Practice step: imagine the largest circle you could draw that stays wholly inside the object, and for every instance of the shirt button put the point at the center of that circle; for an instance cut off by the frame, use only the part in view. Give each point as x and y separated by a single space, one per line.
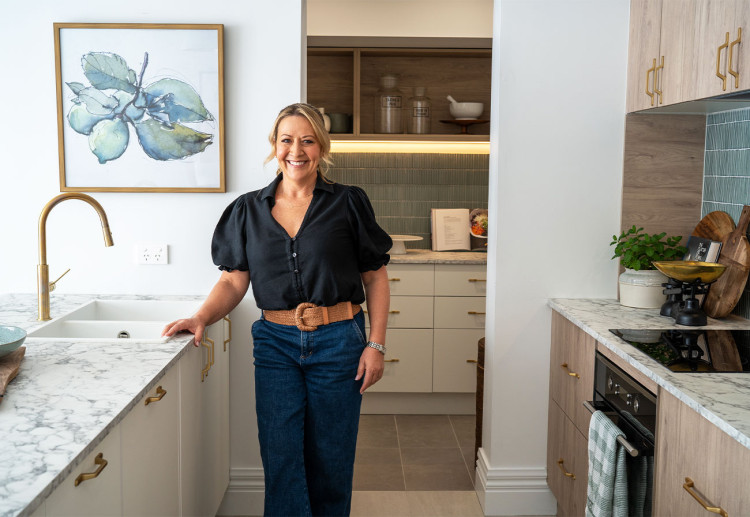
296 270
294 254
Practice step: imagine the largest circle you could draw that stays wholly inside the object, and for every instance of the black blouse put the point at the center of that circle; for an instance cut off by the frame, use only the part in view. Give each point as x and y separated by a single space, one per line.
338 240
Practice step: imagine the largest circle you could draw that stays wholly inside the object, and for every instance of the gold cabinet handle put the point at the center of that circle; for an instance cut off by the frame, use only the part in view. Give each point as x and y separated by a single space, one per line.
389 312
475 313
572 374
718 64
689 486
394 279
656 80
392 360
477 279
160 392
210 362
227 340
567 474
735 73
99 460
474 361
648 72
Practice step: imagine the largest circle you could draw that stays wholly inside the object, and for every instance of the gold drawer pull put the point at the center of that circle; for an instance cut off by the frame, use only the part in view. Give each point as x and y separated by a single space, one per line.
735 73
389 312
209 364
689 486
648 72
229 339
718 64
477 279
474 361
656 80
475 313
567 474
392 360
160 392
572 374
99 460
398 279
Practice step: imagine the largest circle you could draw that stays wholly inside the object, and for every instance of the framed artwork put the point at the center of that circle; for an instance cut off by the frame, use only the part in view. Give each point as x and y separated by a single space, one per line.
140 107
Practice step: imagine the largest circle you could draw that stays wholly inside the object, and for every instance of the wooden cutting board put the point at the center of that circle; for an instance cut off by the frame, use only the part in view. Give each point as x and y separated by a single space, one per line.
723 349
715 226
9 366
724 294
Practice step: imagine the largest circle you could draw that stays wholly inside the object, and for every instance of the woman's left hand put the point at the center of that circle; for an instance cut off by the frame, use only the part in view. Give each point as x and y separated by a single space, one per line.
371 365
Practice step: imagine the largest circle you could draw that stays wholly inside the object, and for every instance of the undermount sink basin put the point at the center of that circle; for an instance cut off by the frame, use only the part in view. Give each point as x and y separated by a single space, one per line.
110 320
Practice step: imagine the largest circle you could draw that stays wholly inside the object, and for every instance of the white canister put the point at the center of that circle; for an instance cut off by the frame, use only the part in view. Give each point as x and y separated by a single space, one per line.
642 289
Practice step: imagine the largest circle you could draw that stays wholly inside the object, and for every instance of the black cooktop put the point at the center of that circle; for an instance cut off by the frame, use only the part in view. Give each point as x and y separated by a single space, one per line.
694 350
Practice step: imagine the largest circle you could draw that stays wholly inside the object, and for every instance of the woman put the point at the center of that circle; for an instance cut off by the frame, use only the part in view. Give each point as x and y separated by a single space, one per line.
307 246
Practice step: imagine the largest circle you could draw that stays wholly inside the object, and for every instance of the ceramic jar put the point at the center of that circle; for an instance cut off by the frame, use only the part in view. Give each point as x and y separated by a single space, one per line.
642 289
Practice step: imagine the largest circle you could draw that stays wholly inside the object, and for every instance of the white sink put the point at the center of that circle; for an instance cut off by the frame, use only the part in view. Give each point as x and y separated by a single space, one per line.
114 320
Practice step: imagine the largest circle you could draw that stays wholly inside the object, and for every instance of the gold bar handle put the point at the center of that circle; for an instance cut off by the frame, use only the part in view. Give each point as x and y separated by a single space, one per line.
689 488
477 279
160 392
394 279
389 312
473 361
475 313
229 339
210 361
99 460
656 80
567 474
648 72
735 73
572 374
392 360
718 64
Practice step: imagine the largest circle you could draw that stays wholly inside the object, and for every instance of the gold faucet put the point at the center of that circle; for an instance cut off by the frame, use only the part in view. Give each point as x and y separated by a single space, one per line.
44 286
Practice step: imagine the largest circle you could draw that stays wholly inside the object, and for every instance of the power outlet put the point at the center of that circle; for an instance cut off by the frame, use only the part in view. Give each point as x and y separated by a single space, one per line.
152 254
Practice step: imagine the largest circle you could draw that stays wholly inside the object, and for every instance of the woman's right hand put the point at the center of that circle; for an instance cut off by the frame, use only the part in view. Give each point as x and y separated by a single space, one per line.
192 325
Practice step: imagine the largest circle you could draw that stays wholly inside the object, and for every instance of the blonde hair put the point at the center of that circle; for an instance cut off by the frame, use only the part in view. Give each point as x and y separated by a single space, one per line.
315 118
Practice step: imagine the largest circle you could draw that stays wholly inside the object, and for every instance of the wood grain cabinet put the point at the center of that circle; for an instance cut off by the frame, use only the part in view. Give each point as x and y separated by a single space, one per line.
690 450
436 320
572 355
347 79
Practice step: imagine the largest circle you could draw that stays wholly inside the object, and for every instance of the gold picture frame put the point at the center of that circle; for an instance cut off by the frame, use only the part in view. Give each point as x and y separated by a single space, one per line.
140 107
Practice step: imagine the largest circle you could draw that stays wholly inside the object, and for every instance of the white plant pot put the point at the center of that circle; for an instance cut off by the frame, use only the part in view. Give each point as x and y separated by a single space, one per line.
642 289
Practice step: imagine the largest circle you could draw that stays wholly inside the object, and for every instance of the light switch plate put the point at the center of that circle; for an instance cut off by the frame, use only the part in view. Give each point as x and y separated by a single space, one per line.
152 254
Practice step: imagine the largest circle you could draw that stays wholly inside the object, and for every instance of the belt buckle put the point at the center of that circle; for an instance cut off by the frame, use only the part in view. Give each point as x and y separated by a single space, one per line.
298 316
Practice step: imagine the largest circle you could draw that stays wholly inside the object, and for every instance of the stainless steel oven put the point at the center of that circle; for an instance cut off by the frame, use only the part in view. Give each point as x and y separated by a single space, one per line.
633 409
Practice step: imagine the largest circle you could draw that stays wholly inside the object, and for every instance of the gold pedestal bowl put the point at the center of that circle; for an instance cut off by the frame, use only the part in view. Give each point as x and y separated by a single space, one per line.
691 270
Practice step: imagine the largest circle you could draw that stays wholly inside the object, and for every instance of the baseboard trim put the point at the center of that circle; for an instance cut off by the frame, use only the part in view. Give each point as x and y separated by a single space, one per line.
513 491
244 496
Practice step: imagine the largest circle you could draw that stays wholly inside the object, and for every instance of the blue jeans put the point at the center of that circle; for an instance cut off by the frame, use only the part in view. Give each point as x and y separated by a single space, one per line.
308 403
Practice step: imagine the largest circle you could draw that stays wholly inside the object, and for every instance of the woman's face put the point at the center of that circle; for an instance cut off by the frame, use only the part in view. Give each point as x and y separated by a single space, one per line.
297 149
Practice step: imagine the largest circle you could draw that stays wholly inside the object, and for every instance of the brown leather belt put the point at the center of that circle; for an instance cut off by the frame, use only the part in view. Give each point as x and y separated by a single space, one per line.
308 316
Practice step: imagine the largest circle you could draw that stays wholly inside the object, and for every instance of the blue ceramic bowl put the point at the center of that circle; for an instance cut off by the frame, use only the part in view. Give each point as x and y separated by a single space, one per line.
10 339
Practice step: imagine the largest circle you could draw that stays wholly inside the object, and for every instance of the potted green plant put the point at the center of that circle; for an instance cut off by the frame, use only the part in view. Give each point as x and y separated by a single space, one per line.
641 283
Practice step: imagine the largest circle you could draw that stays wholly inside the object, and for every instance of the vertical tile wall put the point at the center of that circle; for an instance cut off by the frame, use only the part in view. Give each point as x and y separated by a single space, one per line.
726 172
404 187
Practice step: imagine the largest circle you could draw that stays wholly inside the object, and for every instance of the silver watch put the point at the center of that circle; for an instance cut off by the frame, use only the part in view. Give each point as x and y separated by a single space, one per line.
377 346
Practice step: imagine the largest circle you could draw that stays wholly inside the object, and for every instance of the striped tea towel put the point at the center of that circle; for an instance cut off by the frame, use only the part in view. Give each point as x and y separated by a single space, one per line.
607 494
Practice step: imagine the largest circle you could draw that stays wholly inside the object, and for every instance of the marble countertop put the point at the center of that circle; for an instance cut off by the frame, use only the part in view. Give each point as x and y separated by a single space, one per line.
440 257
67 397
722 398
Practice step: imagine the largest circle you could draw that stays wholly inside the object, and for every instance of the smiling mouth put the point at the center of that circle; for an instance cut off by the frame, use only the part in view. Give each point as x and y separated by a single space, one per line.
296 164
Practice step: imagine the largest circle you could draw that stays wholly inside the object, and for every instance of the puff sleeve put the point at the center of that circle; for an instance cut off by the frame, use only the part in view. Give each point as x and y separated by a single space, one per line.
372 241
228 246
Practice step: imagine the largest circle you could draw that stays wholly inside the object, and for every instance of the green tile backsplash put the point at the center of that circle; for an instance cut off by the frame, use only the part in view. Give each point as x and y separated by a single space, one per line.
726 172
403 187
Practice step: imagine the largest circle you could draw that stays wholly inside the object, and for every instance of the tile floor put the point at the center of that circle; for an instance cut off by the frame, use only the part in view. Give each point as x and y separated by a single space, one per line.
415 465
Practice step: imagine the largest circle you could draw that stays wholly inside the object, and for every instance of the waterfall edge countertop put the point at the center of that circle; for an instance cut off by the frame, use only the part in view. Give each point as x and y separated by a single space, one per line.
722 398
67 397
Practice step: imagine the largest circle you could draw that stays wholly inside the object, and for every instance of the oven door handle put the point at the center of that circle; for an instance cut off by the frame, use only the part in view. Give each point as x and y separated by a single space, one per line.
633 451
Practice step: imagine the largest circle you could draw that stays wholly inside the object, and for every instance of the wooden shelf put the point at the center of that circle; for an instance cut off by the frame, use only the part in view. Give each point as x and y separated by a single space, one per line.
346 80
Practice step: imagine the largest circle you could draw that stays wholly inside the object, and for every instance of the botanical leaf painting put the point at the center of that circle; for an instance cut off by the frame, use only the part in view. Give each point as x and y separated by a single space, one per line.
117 99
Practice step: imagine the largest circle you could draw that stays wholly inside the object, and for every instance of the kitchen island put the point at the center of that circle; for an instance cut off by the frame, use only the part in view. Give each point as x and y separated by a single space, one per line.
67 397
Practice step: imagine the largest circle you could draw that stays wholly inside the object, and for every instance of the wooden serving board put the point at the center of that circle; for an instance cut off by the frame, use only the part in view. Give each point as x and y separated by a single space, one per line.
715 226
9 366
724 294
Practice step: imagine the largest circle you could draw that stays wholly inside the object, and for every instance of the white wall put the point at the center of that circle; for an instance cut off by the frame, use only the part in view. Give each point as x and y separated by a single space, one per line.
557 130
400 18
263 50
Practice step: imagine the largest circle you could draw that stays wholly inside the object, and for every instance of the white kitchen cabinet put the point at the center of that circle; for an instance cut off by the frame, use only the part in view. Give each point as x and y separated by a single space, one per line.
204 439
150 445
99 496
436 319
